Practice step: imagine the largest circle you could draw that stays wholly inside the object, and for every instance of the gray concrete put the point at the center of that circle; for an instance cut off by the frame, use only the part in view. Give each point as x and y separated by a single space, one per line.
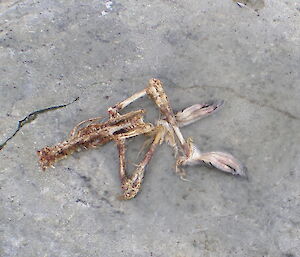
54 51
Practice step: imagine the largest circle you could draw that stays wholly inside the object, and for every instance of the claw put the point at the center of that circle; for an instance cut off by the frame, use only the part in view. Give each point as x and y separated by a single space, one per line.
197 112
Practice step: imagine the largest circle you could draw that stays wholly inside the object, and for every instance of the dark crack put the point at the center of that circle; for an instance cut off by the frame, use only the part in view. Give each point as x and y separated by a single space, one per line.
31 117
286 113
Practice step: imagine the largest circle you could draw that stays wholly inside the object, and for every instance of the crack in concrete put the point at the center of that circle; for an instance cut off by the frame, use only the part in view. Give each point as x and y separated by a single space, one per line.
31 117
286 113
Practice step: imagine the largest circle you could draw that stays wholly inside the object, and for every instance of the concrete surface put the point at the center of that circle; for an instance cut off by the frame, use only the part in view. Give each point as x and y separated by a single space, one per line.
103 51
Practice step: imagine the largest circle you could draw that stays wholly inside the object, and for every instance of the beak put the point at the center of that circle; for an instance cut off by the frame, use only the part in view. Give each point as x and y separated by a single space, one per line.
222 161
196 112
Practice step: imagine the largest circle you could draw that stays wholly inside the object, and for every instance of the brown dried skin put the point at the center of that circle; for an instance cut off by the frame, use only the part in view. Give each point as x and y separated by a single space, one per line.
93 135
49 155
131 186
157 94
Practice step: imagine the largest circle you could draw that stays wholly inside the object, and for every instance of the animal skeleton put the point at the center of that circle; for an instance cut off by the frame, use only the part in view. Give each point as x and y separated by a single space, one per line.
119 127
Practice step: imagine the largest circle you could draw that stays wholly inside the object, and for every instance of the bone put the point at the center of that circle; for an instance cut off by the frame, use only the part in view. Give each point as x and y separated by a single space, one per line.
119 127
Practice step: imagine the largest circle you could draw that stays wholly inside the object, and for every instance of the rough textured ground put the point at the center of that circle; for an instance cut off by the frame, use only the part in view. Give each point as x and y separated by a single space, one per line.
103 51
